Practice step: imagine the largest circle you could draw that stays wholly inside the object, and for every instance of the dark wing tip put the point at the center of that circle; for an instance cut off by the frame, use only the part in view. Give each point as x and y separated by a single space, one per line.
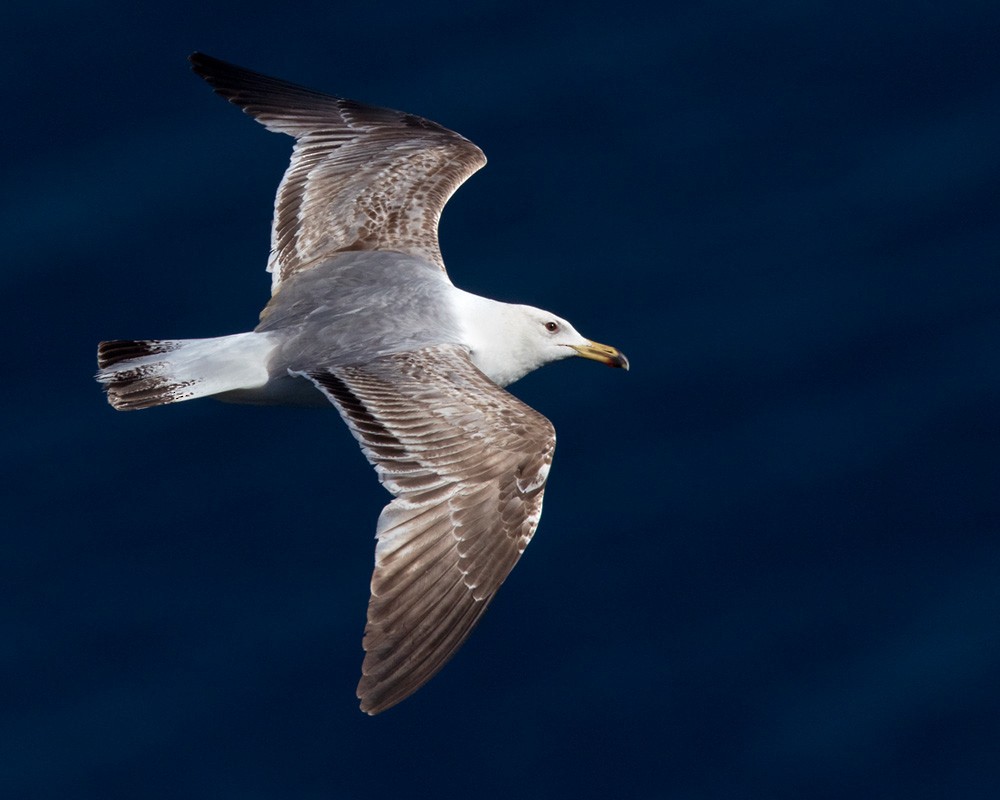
212 69
199 60
225 78
265 98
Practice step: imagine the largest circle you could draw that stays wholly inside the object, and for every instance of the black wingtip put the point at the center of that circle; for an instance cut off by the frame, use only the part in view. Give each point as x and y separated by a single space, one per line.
200 60
230 81
197 59
214 69
207 66
244 87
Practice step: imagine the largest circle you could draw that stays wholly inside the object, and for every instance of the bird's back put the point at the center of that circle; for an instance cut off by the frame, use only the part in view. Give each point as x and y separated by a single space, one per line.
357 305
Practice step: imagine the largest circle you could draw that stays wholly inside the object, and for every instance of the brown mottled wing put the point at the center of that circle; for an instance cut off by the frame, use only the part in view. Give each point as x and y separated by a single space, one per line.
360 178
467 463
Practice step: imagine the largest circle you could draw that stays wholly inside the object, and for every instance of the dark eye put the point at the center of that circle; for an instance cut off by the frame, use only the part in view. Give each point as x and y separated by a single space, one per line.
551 327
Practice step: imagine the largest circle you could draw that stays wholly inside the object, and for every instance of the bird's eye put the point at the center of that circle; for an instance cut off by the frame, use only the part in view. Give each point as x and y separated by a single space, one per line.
551 327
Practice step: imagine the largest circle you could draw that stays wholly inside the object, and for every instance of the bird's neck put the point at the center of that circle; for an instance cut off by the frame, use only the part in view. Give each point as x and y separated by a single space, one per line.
493 332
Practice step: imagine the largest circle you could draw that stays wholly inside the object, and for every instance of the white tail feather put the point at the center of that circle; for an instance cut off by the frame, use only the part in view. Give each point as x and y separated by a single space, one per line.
145 373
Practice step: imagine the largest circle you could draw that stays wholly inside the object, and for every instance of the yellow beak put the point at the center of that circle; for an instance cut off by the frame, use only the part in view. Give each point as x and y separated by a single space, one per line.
606 354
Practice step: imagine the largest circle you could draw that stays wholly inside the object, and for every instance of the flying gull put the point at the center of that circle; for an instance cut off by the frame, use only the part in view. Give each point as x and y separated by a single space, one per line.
363 315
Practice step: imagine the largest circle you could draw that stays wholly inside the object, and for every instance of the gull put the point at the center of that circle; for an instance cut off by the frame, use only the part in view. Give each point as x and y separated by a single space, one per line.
363 316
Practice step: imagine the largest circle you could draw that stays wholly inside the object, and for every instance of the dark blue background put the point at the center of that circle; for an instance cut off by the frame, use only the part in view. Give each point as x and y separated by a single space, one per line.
769 564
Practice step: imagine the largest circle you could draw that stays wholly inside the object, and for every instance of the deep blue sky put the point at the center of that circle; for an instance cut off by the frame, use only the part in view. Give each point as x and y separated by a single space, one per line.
769 564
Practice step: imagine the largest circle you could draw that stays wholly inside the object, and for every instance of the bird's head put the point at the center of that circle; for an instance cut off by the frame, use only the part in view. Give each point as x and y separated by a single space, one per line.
548 337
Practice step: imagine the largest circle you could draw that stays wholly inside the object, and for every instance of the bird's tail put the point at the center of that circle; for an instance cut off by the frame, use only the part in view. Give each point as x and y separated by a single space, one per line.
152 372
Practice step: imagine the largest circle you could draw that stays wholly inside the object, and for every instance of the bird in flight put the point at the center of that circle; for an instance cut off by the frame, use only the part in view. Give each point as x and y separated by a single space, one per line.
363 316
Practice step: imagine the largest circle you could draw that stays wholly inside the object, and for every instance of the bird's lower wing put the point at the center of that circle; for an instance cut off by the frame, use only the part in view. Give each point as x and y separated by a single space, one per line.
467 464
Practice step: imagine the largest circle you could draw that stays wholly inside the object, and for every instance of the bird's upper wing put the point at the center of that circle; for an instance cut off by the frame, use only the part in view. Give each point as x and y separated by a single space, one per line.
467 463
360 178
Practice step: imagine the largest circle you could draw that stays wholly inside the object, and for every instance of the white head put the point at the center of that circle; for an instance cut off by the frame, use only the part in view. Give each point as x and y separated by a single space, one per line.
509 341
